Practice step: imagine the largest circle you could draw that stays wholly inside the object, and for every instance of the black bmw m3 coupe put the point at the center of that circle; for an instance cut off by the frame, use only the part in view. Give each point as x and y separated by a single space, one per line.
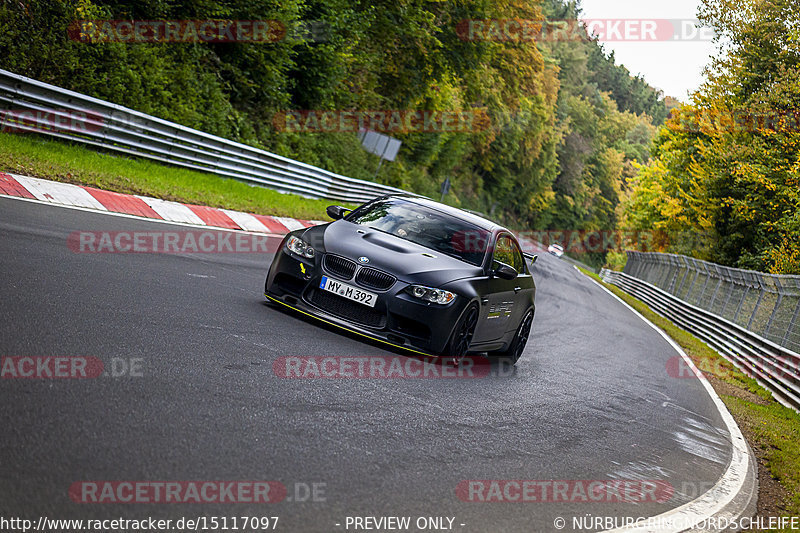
413 273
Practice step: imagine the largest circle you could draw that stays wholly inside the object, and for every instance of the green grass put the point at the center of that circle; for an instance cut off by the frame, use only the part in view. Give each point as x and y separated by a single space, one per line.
594 276
31 155
770 427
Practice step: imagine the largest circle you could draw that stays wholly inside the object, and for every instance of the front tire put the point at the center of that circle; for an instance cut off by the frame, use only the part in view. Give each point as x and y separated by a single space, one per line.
517 346
461 337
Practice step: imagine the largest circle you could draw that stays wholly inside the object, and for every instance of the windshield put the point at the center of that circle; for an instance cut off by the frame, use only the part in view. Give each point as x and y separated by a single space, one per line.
428 227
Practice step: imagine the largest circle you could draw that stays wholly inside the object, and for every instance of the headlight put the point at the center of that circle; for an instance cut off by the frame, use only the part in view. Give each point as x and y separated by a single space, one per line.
300 247
429 294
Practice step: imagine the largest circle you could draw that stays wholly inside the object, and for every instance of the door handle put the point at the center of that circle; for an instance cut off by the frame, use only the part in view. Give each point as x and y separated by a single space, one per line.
517 289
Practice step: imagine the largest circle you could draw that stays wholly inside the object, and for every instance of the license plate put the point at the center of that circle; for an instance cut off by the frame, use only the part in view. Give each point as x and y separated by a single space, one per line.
348 291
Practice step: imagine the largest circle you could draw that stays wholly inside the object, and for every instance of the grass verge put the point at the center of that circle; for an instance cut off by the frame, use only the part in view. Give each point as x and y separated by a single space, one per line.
772 430
31 155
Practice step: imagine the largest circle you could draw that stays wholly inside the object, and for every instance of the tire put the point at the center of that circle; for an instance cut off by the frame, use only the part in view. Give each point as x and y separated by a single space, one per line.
517 346
461 337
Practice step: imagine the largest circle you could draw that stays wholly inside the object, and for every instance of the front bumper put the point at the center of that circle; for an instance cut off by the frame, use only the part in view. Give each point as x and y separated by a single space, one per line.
397 319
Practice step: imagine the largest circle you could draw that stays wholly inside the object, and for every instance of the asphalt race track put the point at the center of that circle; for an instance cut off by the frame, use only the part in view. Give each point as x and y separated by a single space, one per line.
591 399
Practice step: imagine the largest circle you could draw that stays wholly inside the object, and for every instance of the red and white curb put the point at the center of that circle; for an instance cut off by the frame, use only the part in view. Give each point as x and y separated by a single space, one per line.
90 198
78 196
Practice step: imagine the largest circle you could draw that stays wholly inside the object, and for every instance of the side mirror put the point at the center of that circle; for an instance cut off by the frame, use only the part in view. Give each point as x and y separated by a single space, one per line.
336 211
504 271
530 257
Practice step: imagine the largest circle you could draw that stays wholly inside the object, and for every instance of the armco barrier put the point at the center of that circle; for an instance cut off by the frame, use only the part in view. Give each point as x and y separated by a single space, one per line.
28 105
775 367
766 304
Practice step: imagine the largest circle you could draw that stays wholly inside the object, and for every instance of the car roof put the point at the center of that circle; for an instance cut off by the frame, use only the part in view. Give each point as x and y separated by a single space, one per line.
454 211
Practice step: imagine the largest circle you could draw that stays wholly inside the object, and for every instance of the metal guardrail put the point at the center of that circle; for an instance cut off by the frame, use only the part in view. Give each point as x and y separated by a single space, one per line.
28 105
766 304
773 366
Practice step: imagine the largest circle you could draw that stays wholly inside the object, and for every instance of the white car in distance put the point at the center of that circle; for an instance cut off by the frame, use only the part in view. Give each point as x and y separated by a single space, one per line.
555 249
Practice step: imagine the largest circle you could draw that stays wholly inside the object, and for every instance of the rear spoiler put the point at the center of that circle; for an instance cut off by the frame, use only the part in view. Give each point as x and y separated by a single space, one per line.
530 257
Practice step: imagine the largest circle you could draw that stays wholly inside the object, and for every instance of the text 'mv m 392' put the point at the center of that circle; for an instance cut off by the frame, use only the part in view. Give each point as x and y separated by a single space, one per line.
413 273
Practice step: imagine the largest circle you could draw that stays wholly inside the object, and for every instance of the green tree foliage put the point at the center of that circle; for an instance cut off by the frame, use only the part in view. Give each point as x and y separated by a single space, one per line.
727 166
605 132
566 124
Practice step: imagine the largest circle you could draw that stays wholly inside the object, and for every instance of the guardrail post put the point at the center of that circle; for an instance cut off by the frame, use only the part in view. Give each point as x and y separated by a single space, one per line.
741 302
772 316
791 324
714 296
705 284
669 272
674 267
8 106
761 292
685 275
661 273
731 285
779 289
694 279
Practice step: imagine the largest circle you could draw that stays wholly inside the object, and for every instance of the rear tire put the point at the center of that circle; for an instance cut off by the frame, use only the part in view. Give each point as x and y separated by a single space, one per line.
461 337
517 346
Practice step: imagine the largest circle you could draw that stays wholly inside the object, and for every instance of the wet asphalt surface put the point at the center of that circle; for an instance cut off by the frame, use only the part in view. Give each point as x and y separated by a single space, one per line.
591 398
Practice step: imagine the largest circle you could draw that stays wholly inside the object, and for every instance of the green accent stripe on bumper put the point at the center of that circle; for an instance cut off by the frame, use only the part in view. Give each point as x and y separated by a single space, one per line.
350 330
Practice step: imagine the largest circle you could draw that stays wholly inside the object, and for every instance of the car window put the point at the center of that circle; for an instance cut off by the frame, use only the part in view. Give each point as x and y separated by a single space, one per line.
506 251
428 227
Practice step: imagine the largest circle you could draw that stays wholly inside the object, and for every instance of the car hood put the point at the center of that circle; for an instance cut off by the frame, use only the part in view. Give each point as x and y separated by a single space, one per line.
404 259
